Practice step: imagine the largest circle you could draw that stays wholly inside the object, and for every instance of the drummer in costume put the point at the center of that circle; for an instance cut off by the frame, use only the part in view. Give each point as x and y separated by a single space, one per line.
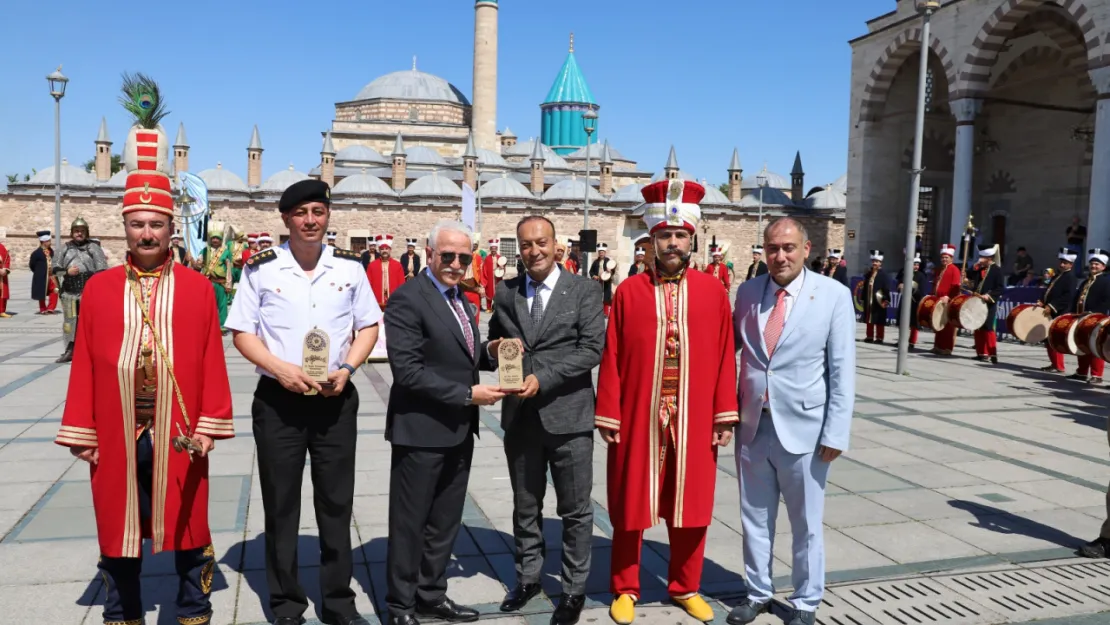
216 264
717 268
5 290
1093 296
876 299
758 267
835 269
298 299
79 260
368 254
265 241
916 294
665 405
947 287
410 260
44 289
385 273
491 266
604 275
988 283
639 266
148 395
1057 300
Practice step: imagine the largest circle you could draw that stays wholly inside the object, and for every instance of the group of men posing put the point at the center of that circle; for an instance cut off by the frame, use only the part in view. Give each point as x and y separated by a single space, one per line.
667 399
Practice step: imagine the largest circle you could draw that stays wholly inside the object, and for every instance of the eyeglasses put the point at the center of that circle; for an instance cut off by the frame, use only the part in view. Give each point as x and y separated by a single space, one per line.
448 258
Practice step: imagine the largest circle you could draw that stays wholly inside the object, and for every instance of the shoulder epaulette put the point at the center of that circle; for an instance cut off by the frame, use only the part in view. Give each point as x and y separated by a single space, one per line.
348 254
261 258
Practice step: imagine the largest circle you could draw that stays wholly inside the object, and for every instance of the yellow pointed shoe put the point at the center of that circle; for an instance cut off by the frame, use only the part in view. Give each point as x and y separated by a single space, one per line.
623 610
696 607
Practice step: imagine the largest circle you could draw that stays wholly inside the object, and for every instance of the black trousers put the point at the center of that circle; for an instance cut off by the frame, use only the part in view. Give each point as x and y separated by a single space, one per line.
286 426
123 593
427 491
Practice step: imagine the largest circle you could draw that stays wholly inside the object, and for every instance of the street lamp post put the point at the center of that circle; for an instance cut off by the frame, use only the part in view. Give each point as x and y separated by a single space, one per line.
926 8
761 180
57 82
589 124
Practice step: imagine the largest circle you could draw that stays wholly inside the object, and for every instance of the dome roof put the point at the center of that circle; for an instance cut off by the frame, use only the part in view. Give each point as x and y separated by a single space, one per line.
841 184
774 181
572 190
421 155
629 193
506 188
662 175
412 85
363 184
828 198
490 158
282 180
71 176
432 185
771 197
118 179
220 179
360 154
714 197
595 153
551 160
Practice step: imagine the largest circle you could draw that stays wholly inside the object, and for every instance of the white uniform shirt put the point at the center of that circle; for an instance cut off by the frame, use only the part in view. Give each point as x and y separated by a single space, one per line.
278 302
770 296
544 291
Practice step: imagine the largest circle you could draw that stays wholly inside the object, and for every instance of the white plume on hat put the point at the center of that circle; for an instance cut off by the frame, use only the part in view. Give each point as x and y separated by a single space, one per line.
834 253
757 249
1098 254
1067 254
876 255
947 249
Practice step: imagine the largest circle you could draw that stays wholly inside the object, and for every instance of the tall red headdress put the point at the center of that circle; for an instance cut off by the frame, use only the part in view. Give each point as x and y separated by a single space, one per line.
672 204
145 153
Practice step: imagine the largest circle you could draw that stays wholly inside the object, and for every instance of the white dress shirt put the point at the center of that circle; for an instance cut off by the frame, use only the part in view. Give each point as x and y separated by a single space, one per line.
443 288
277 301
770 297
546 288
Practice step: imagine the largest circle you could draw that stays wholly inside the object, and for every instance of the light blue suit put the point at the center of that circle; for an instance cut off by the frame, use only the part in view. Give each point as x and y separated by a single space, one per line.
810 380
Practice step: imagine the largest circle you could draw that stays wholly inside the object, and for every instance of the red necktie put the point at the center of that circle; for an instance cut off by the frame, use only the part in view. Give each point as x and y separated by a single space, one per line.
773 331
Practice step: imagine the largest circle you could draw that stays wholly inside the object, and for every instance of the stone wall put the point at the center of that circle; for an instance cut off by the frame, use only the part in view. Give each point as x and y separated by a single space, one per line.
402 110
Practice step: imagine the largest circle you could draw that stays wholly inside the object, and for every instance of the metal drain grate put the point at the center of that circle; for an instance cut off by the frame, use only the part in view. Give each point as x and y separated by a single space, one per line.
836 611
1022 594
915 602
1089 578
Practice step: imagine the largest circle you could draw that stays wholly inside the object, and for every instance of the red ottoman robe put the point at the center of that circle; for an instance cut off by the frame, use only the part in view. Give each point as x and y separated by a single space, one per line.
100 407
378 277
628 398
719 271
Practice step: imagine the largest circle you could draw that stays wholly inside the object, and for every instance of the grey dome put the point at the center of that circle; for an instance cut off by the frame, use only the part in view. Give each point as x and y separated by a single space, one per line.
629 193
827 198
220 179
421 155
118 179
71 176
662 175
714 197
412 85
771 197
506 188
432 185
489 158
363 184
572 190
551 160
281 181
841 184
774 181
595 153
360 154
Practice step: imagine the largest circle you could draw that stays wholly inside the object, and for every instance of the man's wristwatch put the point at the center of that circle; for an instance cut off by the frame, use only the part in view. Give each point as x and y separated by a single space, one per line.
470 396
351 370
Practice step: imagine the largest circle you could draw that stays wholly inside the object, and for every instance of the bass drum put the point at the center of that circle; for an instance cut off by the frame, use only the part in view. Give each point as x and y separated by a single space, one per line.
967 312
1086 331
1029 323
1061 334
1103 341
932 313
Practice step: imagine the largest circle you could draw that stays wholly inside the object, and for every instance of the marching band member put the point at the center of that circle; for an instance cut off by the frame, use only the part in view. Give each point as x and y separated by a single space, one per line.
876 299
987 282
216 264
385 273
917 292
836 269
717 268
368 254
571 263
639 266
410 261
947 286
5 290
758 267
1093 296
265 241
596 270
1057 301
332 236
43 287
80 259
180 254
252 246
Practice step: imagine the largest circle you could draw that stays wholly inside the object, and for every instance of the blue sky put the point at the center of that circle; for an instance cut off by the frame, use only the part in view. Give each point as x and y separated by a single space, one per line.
766 76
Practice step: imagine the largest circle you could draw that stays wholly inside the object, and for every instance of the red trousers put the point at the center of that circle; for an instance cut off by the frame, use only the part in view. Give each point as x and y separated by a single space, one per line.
3 305
476 299
683 572
876 331
1055 358
913 335
946 338
52 302
986 343
1091 364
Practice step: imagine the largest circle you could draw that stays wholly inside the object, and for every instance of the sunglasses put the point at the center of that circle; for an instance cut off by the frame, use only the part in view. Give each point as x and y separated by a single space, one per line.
448 258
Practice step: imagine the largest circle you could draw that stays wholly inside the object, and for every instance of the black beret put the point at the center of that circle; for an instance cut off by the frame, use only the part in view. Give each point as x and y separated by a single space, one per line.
305 191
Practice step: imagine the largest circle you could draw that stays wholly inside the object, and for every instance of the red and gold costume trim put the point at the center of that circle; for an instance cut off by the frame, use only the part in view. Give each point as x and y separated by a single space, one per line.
74 436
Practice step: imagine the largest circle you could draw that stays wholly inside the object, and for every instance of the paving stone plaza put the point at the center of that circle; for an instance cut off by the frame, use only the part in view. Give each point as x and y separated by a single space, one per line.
964 495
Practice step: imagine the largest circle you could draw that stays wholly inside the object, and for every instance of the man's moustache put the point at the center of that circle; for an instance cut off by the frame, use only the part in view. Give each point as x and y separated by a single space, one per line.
147 243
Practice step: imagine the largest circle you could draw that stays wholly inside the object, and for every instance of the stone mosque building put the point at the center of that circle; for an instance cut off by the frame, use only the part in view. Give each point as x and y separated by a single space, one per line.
1017 126
397 153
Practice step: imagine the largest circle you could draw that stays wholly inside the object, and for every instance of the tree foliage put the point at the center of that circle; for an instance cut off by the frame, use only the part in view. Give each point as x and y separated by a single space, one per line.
117 164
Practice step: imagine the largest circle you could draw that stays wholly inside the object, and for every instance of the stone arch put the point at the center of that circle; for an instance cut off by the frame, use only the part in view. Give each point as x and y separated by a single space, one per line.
936 152
1043 55
975 72
886 68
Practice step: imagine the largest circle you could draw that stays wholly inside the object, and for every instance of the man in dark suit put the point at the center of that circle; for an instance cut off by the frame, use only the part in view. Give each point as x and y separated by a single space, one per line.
431 422
557 316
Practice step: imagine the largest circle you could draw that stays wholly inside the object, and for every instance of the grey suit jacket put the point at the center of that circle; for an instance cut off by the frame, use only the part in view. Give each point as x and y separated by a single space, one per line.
561 352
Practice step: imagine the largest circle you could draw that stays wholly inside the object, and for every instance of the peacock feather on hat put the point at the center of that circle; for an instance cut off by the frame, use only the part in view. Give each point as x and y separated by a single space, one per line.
147 146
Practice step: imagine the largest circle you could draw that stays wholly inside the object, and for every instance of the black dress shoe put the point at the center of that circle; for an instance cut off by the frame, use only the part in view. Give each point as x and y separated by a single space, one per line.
519 597
568 610
289 620
403 619
1097 548
354 619
67 356
994 360
448 610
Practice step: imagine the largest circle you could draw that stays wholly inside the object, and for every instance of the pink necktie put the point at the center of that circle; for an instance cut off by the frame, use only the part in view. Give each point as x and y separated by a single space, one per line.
773 331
